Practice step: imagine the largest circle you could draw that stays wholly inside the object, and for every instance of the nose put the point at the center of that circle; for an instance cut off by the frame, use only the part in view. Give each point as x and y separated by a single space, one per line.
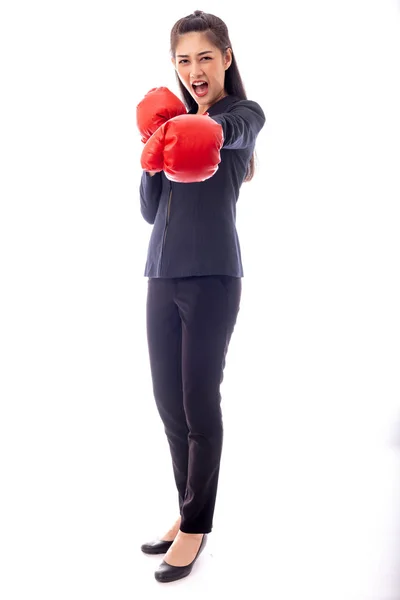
196 73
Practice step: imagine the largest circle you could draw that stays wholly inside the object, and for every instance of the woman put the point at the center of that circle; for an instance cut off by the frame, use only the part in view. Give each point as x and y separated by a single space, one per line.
194 268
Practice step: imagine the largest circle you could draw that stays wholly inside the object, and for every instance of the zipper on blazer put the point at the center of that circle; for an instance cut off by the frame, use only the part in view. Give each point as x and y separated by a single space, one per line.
166 226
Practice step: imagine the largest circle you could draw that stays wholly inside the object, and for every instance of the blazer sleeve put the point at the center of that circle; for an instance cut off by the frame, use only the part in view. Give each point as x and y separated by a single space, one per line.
241 124
150 194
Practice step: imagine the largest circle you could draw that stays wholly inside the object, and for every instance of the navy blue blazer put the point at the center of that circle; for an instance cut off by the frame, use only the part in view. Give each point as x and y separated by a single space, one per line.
194 229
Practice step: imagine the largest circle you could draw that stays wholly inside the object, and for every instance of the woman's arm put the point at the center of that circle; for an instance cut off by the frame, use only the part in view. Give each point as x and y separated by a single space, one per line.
241 124
150 194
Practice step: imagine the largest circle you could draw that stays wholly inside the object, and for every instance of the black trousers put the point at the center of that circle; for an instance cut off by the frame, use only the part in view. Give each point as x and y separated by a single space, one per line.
190 321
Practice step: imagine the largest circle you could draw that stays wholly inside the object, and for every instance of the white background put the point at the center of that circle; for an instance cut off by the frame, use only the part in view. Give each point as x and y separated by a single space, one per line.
308 503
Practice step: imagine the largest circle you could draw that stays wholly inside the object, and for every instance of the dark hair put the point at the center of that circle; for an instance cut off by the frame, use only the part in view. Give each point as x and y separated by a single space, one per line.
217 33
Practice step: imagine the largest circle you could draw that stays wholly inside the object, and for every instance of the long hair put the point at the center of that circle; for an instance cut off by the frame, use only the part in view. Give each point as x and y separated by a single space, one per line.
217 33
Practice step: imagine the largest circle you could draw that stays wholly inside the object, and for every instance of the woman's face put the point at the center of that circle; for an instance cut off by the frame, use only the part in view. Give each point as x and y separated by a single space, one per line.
198 60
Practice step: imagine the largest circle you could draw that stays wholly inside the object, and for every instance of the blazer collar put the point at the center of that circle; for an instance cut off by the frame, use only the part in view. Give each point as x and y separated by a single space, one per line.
219 106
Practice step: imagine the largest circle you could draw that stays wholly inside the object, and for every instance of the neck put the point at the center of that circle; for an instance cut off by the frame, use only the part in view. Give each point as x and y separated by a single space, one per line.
203 109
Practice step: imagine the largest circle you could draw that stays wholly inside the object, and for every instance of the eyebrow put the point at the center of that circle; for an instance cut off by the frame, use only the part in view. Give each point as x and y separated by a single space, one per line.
199 54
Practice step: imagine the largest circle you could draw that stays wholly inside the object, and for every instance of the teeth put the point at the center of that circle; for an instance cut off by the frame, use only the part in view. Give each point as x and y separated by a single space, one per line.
199 83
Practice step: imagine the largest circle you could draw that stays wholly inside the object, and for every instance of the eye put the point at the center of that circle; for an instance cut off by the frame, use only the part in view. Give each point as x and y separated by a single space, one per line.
185 60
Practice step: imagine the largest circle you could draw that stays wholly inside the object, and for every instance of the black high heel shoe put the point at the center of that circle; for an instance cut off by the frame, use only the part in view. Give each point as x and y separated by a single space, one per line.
166 573
156 547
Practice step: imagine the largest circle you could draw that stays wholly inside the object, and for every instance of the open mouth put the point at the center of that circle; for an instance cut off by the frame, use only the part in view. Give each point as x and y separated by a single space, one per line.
200 88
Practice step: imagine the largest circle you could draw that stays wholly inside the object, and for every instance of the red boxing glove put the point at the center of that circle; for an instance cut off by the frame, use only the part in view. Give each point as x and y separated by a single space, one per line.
187 148
158 106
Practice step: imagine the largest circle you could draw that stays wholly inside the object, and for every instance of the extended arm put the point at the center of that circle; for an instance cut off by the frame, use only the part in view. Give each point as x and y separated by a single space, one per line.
241 124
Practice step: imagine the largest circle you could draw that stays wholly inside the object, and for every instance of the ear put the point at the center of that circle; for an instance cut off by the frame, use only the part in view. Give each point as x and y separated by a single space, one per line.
228 58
